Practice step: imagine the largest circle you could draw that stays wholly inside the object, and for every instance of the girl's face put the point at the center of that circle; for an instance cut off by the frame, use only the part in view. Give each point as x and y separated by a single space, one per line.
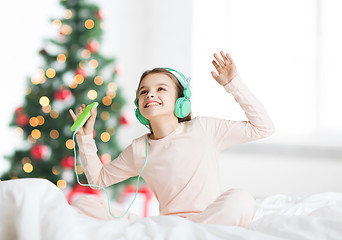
157 96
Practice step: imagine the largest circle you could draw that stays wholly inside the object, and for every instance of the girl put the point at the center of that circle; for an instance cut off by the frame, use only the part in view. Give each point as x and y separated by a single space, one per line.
183 167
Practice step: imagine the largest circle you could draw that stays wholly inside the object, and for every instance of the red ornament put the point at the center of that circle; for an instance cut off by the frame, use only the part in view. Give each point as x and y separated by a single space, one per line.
81 71
22 119
124 120
92 46
99 15
40 152
118 70
78 189
68 162
63 94
19 110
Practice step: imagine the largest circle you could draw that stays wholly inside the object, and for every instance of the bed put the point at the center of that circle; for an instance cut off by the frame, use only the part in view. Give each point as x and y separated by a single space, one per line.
37 209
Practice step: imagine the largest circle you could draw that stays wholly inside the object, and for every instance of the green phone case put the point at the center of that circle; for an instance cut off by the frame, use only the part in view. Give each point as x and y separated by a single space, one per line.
82 119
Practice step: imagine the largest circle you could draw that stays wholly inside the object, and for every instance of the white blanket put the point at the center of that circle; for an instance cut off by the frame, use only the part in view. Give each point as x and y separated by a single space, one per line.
36 209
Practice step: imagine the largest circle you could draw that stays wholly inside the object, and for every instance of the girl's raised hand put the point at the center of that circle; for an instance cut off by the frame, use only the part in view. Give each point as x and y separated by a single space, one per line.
225 67
88 127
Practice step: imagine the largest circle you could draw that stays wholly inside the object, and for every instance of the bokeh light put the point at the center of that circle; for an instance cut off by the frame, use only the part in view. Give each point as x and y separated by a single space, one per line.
92 94
107 100
50 73
44 101
54 114
28 168
34 121
36 133
66 29
69 144
86 53
54 134
105 137
79 79
61 58
93 63
68 14
61 184
89 24
105 115
98 80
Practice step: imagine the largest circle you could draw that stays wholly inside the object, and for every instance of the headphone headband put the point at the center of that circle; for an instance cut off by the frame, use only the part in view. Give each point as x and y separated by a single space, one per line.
182 79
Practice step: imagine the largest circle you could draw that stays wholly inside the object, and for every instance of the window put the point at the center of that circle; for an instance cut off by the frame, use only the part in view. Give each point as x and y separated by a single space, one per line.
287 52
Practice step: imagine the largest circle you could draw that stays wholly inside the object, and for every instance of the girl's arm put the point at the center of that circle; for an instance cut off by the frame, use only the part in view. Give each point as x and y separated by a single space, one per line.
98 174
225 133
116 171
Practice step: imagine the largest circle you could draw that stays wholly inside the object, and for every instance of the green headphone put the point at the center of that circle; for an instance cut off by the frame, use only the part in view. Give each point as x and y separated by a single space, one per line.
182 106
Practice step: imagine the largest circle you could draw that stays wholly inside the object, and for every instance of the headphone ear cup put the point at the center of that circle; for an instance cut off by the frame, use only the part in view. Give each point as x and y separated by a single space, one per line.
141 118
182 107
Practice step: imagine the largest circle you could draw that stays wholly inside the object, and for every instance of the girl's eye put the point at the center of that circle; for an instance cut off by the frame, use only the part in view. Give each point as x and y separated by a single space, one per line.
145 91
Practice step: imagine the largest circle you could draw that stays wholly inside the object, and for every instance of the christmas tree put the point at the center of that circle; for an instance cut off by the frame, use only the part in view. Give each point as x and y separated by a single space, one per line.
74 72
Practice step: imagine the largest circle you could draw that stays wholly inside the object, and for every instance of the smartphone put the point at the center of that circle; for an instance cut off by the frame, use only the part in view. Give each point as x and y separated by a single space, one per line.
82 119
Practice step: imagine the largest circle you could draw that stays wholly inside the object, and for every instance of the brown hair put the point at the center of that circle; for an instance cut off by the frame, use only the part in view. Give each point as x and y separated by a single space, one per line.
179 86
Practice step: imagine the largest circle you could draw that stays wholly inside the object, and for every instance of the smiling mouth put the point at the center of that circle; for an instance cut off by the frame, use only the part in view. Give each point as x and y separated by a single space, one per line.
154 104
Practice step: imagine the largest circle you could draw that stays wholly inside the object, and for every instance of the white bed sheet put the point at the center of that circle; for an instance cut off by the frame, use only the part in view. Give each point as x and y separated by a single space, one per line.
37 209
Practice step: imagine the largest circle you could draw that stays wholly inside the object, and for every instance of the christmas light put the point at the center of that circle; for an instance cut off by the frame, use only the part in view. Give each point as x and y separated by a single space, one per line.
67 14
61 58
46 109
106 100
28 167
112 87
34 122
89 24
19 130
55 170
57 23
31 140
73 85
79 79
105 137
36 133
105 115
39 77
50 73
98 80
41 120
79 169
61 184
44 101
54 134
66 29
110 130
25 160
93 63
54 114
92 94
111 94
69 144
86 53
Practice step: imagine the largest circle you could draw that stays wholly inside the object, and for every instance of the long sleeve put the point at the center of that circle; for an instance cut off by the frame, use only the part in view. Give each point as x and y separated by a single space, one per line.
225 133
116 171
